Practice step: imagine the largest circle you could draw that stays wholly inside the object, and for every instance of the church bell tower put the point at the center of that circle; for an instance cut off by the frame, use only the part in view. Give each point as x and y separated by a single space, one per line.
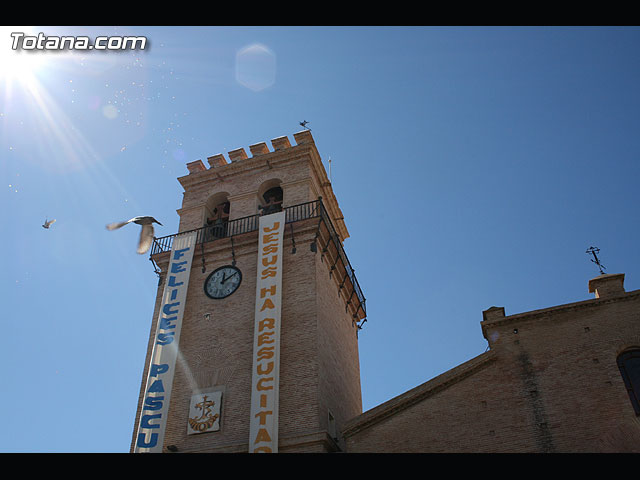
254 339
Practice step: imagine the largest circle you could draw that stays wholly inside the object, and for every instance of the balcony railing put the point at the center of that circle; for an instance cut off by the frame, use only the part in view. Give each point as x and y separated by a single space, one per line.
295 213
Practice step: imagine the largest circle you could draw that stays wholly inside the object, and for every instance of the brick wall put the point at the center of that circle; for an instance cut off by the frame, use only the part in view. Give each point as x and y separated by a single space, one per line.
549 383
319 370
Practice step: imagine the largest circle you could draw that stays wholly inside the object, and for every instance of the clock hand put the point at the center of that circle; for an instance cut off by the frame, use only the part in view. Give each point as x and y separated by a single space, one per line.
225 279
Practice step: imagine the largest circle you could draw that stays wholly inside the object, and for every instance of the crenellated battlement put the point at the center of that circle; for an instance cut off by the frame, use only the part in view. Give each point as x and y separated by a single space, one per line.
243 172
257 149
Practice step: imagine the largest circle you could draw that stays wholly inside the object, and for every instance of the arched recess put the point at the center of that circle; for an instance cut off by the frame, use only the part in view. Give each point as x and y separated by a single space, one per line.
216 215
629 365
270 196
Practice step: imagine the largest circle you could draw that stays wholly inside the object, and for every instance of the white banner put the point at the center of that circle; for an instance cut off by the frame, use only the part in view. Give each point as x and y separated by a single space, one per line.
153 417
263 431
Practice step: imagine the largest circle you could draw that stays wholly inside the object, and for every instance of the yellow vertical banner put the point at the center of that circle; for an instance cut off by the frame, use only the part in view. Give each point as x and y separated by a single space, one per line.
153 417
263 430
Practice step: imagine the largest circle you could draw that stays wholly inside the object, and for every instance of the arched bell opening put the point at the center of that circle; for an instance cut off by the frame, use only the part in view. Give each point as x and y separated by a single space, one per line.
270 197
216 216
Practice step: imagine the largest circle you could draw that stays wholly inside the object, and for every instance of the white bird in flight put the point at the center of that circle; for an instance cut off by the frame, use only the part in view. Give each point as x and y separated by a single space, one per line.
146 234
48 223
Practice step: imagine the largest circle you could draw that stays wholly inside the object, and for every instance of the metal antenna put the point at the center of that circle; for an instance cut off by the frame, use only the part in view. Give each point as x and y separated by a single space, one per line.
595 259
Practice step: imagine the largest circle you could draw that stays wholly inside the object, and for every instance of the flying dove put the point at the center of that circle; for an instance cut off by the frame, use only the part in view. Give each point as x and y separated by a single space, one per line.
146 234
48 223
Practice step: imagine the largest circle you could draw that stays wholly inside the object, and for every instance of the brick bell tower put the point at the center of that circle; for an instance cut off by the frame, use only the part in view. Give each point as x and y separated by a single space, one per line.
254 340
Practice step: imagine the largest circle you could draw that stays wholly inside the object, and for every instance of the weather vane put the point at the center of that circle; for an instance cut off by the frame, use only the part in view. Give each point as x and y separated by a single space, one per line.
595 259
304 124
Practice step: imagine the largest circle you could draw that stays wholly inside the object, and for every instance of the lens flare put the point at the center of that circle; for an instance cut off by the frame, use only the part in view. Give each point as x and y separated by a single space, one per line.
256 67
17 64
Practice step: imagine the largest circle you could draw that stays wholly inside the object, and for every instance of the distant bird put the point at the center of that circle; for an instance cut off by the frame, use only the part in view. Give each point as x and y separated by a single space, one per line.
146 234
304 124
48 223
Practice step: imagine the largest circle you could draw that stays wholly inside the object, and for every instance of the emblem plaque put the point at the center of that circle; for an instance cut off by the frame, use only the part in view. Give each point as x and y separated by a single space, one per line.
204 412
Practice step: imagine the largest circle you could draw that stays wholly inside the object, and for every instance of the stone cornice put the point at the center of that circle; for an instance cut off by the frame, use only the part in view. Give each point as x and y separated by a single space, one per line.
545 312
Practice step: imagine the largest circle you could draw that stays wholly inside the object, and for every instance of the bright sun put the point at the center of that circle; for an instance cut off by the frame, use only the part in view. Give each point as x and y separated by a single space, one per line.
17 65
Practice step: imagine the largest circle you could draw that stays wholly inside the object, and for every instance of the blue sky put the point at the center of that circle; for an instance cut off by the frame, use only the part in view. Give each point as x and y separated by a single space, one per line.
474 166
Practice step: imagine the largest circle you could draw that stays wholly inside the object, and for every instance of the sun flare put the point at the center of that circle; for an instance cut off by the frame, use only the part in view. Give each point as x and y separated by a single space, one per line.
17 64
30 109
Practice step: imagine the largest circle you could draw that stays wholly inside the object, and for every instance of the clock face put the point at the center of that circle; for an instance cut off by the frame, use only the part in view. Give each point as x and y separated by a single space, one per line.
222 282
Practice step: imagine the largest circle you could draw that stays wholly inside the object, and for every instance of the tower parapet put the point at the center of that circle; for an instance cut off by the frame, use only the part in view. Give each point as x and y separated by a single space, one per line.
280 143
307 182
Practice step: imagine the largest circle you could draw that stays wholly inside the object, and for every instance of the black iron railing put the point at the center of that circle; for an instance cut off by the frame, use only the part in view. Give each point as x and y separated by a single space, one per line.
294 213
242 225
